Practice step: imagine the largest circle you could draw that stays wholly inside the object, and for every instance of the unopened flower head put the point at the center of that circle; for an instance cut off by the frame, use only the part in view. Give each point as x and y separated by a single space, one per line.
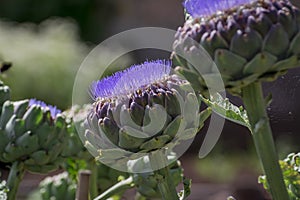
140 110
249 40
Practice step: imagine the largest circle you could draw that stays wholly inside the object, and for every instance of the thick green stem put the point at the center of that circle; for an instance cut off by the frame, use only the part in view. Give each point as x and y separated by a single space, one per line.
93 180
15 176
119 187
165 183
263 139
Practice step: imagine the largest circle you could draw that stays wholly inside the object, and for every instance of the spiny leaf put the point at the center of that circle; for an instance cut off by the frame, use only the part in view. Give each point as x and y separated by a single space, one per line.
226 109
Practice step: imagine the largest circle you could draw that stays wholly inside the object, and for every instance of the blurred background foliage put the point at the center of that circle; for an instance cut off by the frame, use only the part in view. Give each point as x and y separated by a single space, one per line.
45 59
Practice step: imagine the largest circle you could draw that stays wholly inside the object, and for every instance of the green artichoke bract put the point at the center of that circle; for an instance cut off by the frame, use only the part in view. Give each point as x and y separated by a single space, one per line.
140 110
248 40
32 134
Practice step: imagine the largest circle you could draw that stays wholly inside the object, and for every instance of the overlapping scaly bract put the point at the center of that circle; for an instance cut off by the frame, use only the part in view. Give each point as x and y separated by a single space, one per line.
258 40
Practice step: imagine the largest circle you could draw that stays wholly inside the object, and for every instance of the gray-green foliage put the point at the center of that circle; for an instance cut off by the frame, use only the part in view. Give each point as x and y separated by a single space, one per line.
290 167
226 109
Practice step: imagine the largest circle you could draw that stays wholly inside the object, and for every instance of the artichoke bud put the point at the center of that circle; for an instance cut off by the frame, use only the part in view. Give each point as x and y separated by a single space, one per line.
139 111
58 187
33 133
237 35
147 183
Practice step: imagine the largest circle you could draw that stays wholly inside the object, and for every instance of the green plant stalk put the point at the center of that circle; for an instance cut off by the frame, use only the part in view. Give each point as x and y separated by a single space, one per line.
93 180
115 189
15 177
262 135
165 183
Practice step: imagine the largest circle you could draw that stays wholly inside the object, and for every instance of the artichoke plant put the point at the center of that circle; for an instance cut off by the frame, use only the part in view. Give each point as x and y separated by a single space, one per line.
248 40
141 111
32 137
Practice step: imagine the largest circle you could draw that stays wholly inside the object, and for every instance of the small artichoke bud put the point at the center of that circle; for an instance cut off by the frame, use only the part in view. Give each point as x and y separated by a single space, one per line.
248 40
33 133
147 183
140 110
58 187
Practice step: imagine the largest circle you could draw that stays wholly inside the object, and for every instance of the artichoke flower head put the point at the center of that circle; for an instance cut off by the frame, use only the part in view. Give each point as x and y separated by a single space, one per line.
140 110
248 40
33 133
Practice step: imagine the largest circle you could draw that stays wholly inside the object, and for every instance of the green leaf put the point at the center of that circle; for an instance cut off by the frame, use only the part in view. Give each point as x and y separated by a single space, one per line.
224 108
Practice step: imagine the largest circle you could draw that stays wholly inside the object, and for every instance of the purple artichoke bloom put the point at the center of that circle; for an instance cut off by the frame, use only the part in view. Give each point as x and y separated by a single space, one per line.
204 8
127 81
53 109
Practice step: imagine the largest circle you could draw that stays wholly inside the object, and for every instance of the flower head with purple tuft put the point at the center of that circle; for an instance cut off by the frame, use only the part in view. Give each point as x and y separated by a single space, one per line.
139 110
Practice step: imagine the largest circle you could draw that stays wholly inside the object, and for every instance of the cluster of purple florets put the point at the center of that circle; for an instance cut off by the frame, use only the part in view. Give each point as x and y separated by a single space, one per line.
131 79
206 8
53 109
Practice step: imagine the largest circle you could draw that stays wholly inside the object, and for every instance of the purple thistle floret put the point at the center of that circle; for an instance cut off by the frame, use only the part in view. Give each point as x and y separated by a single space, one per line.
205 8
135 77
53 109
